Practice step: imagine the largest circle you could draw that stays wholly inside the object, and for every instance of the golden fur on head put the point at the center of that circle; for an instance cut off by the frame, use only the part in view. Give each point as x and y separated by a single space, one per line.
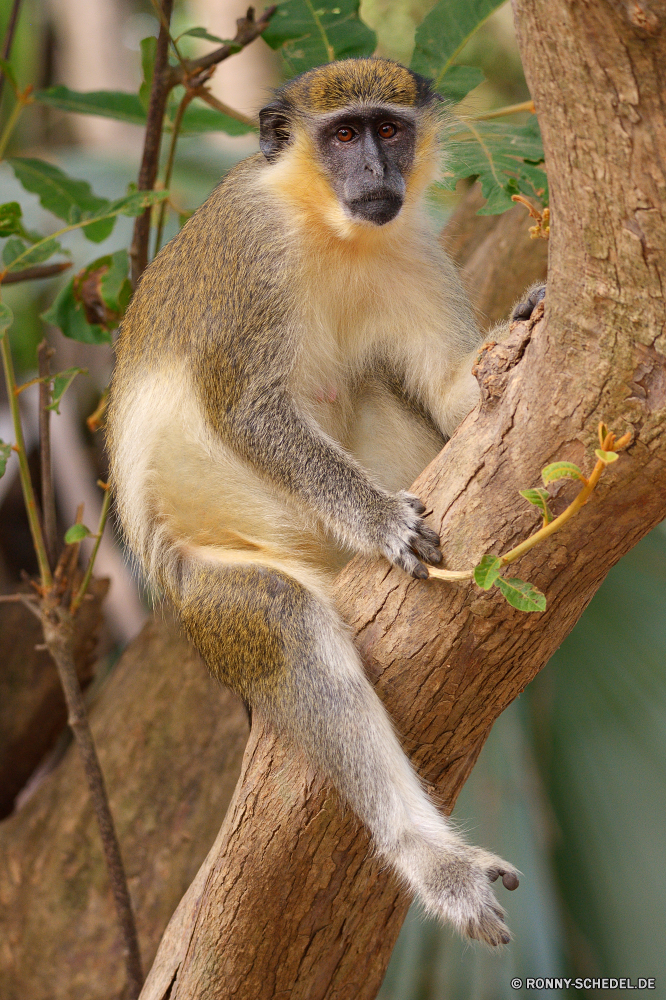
357 81
304 184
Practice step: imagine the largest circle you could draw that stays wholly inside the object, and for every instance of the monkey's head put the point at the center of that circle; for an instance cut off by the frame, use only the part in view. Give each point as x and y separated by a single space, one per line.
370 126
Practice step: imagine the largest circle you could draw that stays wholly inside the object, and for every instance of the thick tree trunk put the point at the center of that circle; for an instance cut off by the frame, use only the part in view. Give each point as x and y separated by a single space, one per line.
289 903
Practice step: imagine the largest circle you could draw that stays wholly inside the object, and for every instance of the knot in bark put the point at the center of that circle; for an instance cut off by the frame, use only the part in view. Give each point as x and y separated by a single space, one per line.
495 362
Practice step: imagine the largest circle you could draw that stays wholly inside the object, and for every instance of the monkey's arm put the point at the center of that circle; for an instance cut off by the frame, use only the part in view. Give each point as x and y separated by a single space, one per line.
287 446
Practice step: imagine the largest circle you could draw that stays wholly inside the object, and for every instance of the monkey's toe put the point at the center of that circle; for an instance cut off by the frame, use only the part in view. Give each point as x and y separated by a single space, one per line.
525 309
510 880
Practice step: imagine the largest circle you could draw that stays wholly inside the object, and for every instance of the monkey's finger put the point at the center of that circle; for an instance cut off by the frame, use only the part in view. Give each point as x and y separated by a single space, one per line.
427 534
414 503
429 552
407 561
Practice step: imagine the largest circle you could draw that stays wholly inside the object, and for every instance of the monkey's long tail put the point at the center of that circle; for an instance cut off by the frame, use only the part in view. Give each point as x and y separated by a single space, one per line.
285 650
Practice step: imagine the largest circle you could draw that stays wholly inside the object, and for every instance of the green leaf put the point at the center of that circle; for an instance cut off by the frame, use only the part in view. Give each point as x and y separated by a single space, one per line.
6 317
29 256
61 383
148 51
487 571
202 33
561 470
443 33
10 219
9 73
521 595
539 498
12 249
115 104
128 108
77 533
115 287
606 456
67 198
5 452
200 118
311 33
68 314
502 155
458 81
133 204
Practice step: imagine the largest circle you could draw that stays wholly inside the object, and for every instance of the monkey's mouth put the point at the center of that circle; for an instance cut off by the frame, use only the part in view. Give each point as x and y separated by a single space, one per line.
379 207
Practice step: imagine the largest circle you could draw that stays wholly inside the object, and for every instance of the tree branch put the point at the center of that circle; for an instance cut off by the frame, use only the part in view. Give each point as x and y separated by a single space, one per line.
34 273
192 73
9 38
289 899
247 30
159 93
44 354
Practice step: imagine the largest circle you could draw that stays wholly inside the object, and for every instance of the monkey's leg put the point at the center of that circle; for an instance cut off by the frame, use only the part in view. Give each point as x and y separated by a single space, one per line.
285 650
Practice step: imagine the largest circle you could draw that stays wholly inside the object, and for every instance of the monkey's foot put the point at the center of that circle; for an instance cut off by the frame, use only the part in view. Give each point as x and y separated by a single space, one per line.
524 309
458 890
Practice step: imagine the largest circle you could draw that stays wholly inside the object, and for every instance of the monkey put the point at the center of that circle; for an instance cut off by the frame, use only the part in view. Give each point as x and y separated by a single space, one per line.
289 363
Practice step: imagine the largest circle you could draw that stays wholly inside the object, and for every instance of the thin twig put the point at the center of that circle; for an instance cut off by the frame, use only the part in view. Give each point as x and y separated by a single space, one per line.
34 273
44 355
159 92
9 38
247 30
24 471
608 443
58 633
510 109
190 73
81 592
164 23
187 98
209 98
21 101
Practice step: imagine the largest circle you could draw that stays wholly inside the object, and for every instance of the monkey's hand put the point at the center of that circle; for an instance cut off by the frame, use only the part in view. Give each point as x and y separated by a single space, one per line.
274 437
403 536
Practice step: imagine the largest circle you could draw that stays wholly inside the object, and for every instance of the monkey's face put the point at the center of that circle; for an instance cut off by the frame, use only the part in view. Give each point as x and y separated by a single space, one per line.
367 153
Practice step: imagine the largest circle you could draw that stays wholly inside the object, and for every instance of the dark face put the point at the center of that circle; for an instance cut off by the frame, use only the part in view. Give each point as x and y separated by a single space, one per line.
368 153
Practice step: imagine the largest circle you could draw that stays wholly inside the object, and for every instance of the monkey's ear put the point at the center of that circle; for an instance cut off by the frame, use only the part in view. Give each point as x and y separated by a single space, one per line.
274 131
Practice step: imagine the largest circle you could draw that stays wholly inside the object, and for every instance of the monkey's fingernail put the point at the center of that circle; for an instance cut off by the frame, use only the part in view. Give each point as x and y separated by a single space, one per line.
418 506
510 881
420 572
505 939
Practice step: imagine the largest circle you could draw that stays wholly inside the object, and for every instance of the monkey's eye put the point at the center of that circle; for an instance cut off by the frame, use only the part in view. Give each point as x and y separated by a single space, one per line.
345 134
387 130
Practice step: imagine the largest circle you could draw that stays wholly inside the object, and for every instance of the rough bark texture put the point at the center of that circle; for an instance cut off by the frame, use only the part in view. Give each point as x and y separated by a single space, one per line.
170 742
289 903
32 707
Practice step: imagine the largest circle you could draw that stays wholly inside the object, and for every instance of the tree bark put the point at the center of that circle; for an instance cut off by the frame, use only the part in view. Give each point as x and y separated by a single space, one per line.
32 707
289 902
170 742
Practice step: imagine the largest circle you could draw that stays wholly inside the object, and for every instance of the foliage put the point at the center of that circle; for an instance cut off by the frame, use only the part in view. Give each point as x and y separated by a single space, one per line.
310 34
506 159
